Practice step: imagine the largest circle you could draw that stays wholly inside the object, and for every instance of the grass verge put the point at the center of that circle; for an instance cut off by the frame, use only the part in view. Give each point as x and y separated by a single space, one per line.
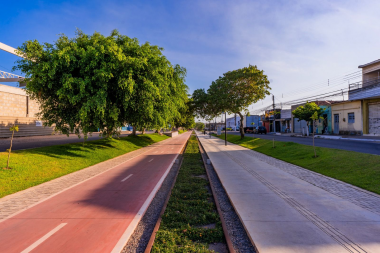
190 207
182 131
359 169
35 166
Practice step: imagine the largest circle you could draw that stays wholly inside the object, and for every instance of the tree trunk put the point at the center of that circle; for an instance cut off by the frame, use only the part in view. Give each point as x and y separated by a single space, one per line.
10 149
143 131
134 131
241 125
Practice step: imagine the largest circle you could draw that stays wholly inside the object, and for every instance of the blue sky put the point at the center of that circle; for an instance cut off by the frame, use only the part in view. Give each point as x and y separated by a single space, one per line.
299 44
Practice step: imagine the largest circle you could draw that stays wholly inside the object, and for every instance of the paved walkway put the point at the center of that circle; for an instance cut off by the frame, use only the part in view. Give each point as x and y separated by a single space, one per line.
285 208
92 210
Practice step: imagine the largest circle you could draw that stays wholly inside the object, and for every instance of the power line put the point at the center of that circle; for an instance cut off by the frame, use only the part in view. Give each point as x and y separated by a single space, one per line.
329 81
326 88
313 97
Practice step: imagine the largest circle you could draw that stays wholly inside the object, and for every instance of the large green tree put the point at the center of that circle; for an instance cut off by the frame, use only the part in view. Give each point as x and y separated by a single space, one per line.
203 105
186 119
236 90
101 82
199 126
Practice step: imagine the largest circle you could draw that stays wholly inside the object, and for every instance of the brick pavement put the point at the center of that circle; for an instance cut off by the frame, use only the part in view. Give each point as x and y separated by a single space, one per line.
17 202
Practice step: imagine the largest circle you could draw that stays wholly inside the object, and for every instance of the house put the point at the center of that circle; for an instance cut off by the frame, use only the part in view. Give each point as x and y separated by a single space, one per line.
299 126
323 126
271 120
368 91
252 119
285 120
234 122
347 118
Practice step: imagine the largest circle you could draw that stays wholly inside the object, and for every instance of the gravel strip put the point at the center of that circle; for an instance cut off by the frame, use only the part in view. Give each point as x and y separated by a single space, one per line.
141 236
236 231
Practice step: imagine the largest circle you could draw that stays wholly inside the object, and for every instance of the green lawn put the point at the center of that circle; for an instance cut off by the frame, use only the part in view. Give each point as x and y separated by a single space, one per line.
189 208
34 166
359 169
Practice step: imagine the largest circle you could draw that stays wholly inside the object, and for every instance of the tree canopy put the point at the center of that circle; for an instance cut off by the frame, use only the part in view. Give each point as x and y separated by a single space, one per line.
199 126
233 93
308 112
92 82
186 119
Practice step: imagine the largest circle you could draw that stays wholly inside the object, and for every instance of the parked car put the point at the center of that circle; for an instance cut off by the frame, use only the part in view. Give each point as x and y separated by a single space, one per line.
262 130
249 130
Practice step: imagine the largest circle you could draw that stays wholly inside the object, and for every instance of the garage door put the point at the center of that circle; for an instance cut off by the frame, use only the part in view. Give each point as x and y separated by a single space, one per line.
374 118
298 125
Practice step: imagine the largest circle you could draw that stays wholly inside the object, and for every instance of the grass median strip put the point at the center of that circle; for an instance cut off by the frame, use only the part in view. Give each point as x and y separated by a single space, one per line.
190 222
38 165
359 169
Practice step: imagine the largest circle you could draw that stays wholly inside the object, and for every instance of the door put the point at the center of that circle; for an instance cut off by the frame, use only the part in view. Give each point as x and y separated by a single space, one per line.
336 123
374 118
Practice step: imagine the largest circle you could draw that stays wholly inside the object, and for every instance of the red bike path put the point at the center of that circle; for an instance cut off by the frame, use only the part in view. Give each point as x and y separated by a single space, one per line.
99 214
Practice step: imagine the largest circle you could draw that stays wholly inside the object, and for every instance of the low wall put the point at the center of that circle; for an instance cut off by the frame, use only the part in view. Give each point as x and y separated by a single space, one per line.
172 134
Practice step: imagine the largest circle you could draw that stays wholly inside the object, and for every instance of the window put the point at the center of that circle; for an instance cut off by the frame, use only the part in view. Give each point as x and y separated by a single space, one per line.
351 117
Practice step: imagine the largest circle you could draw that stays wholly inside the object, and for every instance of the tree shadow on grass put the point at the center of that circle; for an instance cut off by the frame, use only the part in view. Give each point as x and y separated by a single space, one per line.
75 150
78 150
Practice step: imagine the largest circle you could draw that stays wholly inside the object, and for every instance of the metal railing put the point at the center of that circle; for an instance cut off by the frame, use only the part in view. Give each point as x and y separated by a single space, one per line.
368 83
4 74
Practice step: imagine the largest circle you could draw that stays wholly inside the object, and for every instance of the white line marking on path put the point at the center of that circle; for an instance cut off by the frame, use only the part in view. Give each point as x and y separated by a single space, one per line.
128 232
43 238
150 160
126 178
55 194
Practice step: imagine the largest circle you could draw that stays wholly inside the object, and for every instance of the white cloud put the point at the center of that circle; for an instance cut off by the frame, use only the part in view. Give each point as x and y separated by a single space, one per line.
298 43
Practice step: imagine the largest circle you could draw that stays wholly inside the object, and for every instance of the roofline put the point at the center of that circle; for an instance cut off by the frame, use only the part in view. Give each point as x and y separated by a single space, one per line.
347 101
367 64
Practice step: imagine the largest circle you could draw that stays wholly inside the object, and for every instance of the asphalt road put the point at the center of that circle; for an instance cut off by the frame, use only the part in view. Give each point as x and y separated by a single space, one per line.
44 141
357 146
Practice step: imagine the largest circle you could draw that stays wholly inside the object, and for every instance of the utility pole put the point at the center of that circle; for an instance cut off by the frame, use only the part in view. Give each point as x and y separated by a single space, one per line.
225 128
235 121
274 122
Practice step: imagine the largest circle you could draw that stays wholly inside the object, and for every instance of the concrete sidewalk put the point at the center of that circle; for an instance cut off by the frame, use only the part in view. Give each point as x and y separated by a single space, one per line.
285 208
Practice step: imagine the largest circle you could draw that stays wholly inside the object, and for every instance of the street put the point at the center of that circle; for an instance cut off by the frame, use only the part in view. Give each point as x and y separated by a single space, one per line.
357 146
20 143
